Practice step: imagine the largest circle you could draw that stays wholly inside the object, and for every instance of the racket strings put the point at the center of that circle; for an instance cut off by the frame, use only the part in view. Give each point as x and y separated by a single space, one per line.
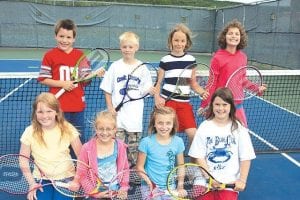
137 186
188 182
15 171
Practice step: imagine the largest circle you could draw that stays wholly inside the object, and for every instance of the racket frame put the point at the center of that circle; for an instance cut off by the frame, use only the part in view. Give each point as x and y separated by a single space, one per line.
199 73
151 185
123 101
38 181
74 194
92 74
254 71
209 181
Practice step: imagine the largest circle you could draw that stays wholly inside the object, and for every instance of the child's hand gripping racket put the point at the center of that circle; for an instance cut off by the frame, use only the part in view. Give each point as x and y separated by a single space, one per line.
195 77
92 63
139 84
21 175
132 184
191 181
84 183
245 83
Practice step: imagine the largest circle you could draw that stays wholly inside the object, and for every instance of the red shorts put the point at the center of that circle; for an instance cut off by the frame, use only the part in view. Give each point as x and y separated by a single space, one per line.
185 115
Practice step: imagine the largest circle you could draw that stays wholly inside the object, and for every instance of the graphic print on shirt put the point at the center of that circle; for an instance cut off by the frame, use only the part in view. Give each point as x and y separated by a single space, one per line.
131 83
219 149
107 170
171 159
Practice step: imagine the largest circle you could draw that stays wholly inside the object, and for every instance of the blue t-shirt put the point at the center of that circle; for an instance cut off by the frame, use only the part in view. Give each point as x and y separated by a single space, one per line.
107 168
161 159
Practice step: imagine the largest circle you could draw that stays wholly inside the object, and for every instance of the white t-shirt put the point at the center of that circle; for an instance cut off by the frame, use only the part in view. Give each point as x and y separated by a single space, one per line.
130 116
222 149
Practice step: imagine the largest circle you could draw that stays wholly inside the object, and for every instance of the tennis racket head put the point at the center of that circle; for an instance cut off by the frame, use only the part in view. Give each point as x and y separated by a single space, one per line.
140 82
89 64
15 172
244 83
191 181
88 183
204 75
199 71
131 184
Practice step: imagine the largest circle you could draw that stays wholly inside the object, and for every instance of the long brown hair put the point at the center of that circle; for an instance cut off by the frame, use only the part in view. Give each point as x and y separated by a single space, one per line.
233 24
226 95
163 111
50 100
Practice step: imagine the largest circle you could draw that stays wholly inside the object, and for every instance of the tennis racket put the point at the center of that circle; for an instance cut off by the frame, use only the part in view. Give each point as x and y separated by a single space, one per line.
132 184
182 89
88 66
191 181
245 83
17 171
138 84
88 183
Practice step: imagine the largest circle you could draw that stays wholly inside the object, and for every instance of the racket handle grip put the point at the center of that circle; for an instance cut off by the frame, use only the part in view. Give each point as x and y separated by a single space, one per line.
60 92
118 107
231 185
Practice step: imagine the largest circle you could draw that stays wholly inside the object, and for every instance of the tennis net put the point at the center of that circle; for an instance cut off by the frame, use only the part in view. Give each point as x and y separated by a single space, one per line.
274 118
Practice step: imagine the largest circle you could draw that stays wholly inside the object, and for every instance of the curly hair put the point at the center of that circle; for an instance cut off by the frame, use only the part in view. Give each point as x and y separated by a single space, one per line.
233 24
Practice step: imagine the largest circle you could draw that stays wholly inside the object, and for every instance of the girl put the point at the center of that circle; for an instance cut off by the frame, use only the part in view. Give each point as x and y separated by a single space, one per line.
223 146
47 140
106 155
232 39
170 67
159 152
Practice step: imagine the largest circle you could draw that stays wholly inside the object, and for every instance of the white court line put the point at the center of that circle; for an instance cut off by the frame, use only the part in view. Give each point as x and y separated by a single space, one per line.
14 90
275 148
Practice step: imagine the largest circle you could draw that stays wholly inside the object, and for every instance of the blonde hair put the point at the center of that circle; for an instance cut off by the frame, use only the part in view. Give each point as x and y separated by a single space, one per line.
163 111
105 115
183 28
129 36
50 101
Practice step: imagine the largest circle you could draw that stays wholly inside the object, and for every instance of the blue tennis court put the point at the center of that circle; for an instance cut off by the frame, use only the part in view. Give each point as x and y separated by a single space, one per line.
274 122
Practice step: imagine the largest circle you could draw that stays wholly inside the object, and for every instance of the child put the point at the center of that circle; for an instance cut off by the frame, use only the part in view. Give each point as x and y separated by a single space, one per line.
232 39
56 69
162 150
223 146
47 140
130 116
179 42
106 155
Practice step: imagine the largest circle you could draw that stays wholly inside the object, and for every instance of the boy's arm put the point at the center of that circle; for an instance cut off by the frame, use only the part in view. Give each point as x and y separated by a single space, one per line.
67 85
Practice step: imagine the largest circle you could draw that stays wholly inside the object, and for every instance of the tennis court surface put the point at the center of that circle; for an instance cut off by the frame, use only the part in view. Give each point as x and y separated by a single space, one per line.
274 121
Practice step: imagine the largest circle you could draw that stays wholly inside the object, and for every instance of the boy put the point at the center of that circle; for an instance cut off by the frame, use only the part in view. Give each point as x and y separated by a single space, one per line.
56 69
130 116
